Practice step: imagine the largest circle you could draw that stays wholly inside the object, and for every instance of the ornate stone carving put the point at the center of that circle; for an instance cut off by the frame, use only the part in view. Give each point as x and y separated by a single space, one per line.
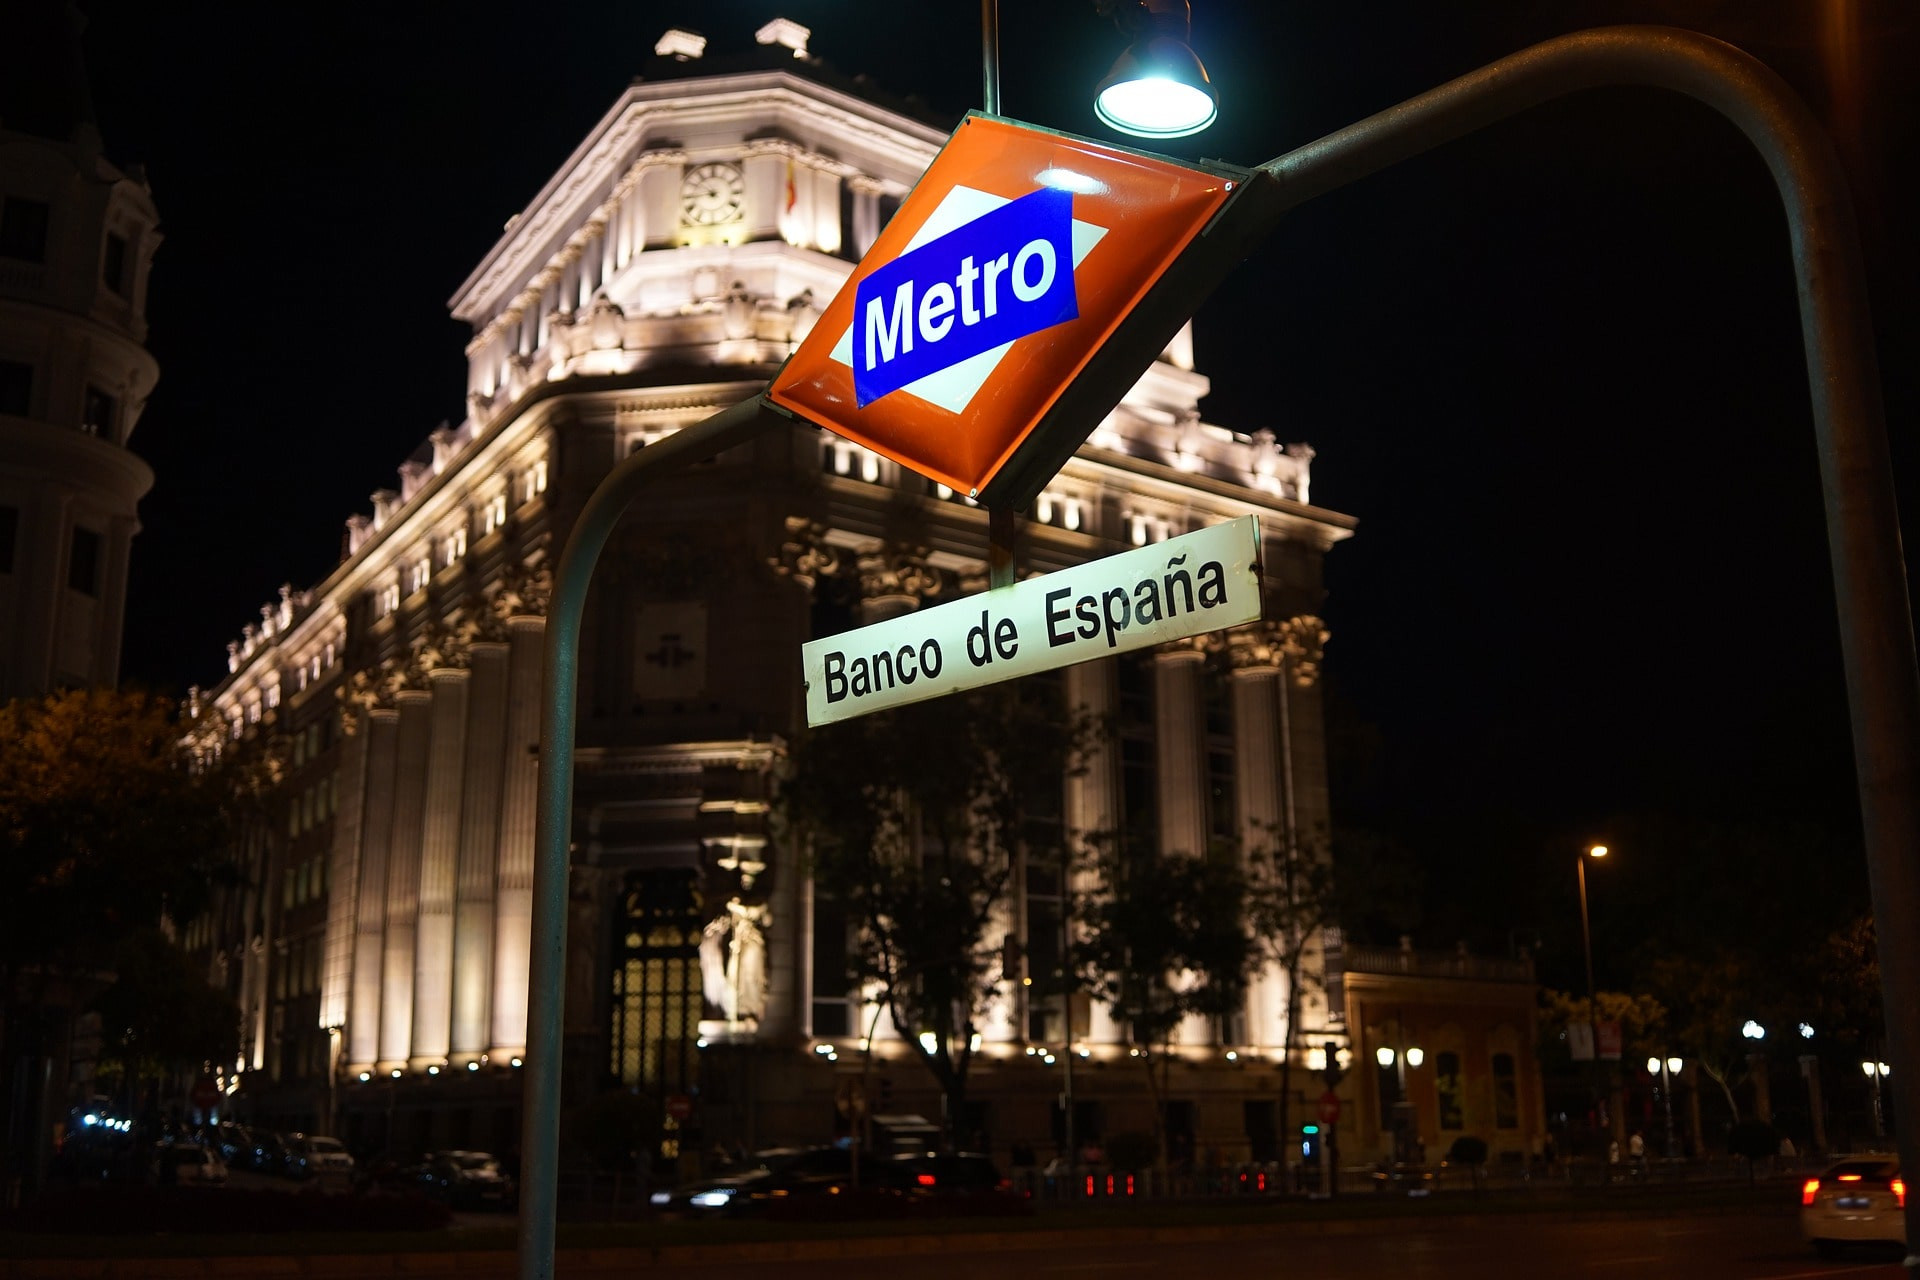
520 590
1252 647
1304 642
891 570
804 555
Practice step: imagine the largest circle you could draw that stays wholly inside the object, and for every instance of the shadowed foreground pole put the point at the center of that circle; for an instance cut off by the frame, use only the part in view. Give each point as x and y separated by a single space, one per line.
540 1126
1849 420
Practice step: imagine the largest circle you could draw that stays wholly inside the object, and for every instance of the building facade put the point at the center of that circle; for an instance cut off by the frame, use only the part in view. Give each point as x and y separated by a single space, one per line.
667 269
77 236
1445 1046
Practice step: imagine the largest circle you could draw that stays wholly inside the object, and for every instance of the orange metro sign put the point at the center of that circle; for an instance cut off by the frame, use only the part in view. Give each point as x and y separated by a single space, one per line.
1013 261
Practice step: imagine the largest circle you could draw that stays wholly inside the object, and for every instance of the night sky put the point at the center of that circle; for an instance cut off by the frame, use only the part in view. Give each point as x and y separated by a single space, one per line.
1554 370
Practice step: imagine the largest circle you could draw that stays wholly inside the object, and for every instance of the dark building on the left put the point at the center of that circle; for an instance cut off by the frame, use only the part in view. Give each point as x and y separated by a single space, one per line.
77 235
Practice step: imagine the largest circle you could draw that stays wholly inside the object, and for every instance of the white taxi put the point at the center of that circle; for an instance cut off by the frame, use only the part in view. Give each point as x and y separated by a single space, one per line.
1859 1200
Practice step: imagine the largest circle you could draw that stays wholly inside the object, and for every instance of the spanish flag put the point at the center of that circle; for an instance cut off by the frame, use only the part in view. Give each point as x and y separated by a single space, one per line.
793 192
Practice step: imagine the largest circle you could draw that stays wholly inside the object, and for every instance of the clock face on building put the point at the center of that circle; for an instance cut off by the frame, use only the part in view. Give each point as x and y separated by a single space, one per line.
711 193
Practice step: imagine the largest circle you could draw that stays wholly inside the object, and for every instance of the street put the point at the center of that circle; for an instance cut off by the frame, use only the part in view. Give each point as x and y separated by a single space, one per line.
1719 1247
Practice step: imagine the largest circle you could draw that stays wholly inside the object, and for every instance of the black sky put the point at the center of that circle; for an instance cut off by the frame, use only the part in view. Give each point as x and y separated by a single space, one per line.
1554 368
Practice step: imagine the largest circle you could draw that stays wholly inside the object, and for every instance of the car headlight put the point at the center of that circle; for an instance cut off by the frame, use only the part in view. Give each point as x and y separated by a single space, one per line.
710 1199
661 1197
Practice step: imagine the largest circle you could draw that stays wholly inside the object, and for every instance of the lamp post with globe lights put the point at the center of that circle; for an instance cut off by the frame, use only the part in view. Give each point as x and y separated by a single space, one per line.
1664 1070
1876 1072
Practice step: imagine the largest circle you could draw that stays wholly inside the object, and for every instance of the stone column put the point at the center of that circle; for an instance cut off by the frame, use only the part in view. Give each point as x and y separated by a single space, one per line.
439 856
519 794
479 852
343 873
370 911
1179 757
1181 770
1093 799
1261 819
403 877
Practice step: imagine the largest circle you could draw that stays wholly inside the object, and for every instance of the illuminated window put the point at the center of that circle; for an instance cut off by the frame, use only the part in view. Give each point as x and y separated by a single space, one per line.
495 513
273 695
1506 1092
253 713
455 545
326 656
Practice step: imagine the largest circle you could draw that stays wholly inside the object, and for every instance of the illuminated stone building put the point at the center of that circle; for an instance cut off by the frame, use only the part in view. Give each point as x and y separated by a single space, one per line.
665 271
77 236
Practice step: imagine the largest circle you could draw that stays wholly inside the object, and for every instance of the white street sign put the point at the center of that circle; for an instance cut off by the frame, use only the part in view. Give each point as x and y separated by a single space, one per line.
1185 586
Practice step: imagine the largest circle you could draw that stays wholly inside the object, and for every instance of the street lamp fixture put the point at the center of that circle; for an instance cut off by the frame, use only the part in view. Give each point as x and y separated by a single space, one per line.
1416 1056
1753 1030
1383 1056
1157 88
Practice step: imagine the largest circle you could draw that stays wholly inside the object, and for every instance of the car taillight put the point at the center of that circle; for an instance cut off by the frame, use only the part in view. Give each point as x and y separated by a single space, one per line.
925 1179
1899 1186
1808 1190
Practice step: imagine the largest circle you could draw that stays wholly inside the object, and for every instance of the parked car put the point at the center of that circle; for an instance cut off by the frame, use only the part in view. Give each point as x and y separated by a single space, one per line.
1857 1200
779 1173
1401 1178
466 1180
261 1151
311 1155
933 1173
189 1163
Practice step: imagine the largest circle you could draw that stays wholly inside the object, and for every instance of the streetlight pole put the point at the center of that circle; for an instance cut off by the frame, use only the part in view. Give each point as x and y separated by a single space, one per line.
1586 945
1665 1070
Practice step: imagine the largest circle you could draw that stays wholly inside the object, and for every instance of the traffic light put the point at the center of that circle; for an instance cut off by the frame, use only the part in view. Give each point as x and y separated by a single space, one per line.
1334 1072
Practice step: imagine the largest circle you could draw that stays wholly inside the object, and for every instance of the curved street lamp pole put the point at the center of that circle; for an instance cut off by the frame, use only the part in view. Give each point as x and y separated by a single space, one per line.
1870 590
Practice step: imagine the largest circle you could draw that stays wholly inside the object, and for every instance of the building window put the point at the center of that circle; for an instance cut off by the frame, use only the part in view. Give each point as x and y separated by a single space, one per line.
113 264
455 546
657 1000
1506 1093
97 413
9 533
832 1015
495 514
23 229
83 566
1448 1090
16 388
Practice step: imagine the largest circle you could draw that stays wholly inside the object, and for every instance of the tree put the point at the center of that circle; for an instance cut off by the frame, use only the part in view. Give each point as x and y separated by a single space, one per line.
160 1015
1164 938
1710 998
107 822
1290 901
916 821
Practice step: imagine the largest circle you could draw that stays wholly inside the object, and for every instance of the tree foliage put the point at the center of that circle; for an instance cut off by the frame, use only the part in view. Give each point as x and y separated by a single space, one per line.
1164 938
916 820
107 821
160 1014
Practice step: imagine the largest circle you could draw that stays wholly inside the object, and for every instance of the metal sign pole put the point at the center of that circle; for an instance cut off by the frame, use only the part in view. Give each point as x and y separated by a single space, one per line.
1849 418
546 979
